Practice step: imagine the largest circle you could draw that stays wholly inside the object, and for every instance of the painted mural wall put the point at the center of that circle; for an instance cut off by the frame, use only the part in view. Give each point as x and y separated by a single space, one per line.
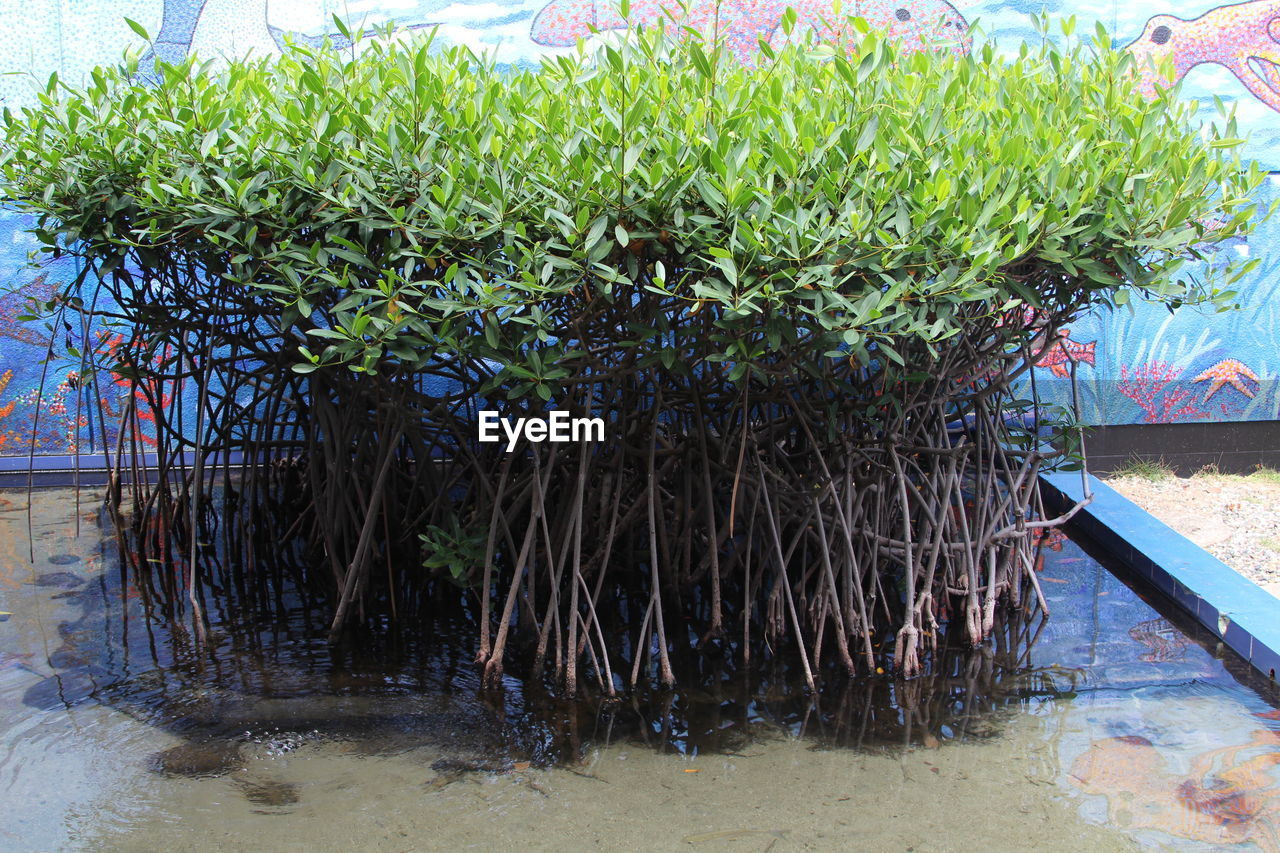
1143 365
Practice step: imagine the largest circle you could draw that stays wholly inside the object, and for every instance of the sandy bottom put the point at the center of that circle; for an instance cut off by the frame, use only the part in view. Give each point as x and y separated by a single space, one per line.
781 795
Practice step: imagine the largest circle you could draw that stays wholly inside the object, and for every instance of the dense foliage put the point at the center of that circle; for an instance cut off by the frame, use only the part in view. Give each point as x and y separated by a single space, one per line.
796 292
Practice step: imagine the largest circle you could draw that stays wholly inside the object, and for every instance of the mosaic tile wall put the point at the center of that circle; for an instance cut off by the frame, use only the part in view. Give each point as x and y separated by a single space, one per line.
1143 365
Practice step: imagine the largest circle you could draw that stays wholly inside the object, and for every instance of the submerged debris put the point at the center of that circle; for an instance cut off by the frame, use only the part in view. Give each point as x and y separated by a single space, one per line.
268 793
197 760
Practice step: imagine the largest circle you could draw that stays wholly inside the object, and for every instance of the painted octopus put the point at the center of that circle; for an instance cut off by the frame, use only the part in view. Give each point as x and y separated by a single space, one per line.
1244 38
915 24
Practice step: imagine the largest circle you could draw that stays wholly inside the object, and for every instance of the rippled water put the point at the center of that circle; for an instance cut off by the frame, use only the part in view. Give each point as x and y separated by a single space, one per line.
1106 727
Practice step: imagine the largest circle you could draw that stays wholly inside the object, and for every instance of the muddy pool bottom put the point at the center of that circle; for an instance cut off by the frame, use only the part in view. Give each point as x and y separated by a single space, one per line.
1117 727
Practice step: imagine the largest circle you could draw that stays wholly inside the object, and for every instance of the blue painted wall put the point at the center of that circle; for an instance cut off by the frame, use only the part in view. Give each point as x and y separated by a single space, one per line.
1143 365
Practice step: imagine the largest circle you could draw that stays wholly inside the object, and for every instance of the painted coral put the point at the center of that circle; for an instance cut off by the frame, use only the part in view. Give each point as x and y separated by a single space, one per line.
1155 387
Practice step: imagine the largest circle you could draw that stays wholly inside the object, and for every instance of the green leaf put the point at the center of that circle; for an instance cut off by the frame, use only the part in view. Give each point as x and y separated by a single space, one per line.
596 232
631 157
138 28
788 21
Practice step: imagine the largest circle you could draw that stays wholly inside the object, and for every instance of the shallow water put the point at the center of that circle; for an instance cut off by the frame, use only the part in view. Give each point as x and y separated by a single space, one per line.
1114 730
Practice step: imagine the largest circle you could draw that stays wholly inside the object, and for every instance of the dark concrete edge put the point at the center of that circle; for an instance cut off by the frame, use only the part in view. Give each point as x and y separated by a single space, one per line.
1236 610
51 470
46 470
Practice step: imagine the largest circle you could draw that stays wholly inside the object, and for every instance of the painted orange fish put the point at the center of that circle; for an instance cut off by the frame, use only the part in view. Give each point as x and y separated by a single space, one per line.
741 24
1241 37
1050 537
1059 355
7 409
1046 538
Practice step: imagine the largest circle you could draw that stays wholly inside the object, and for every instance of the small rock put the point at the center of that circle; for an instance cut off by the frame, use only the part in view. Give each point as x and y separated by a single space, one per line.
197 760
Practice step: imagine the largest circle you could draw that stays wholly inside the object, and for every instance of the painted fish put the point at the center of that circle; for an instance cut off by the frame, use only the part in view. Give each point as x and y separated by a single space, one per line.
914 24
1059 355
1046 538
1227 372
1166 643
1241 37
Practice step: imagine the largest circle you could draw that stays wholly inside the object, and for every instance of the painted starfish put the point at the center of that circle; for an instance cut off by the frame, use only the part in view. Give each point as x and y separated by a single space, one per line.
1229 372
1244 38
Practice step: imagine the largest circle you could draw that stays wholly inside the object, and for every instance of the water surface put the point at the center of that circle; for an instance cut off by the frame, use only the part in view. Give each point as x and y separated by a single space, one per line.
1112 730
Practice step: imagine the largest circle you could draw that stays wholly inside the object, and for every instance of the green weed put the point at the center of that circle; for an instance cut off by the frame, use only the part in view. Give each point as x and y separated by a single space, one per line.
1153 470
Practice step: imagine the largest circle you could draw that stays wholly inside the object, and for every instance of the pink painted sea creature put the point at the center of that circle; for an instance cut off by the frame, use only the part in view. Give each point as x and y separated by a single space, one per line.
1228 372
913 24
1241 37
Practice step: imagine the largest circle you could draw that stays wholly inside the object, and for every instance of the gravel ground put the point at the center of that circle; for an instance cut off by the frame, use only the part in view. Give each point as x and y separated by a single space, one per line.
1234 518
